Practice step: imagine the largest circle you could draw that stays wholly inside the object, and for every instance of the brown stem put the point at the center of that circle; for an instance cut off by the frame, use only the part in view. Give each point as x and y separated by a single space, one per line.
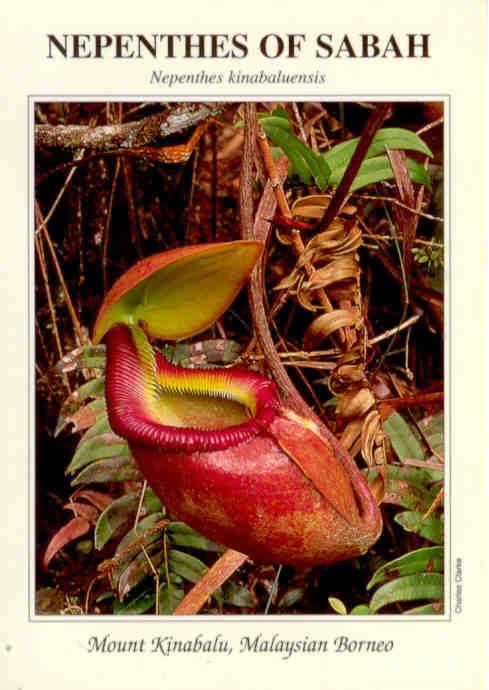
388 405
246 174
126 135
374 123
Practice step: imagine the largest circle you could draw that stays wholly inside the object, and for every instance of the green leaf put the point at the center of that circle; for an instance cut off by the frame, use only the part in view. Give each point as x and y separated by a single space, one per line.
306 163
181 534
397 138
151 502
408 588
390 137
291 146
185 565
113 517
138 569
378 169
408 487
337 605
433 429
140 604
152 544
267 120
101 426
291 597
405 443
430 528
104 597
218 597
360 610
415 476
170 597
106 445
429 558
108 470
236 595
143 525
278 118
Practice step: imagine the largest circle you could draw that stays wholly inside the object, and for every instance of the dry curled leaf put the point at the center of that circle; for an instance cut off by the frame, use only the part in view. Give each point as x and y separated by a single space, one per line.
355 403
371 437
349 373
314 206
351 434
326 324
344 268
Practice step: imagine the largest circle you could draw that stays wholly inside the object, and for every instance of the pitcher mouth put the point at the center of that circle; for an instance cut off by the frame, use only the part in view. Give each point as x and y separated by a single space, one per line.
179 408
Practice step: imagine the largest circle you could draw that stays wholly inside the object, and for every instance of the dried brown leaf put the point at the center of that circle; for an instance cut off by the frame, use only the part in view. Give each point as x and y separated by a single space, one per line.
372 424
349 373
86 416
355 403
344 268
377 487
326 324
351 433
312 206
332 244
289 281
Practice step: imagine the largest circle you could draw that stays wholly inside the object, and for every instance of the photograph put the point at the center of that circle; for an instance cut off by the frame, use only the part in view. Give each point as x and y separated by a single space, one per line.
239 364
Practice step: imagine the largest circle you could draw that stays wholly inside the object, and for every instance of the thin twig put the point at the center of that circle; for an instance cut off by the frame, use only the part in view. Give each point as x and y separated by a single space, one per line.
58 198
47 287
105 245
394 331
156 576
426 464
430 125
69 304
397 202
89 591
436 502
273 590
140 504
131 206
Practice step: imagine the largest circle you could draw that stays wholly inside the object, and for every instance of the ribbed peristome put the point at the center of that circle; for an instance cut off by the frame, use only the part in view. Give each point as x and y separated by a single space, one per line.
153 402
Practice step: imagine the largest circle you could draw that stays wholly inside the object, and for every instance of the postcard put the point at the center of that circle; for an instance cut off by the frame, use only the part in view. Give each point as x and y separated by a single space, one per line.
245 386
